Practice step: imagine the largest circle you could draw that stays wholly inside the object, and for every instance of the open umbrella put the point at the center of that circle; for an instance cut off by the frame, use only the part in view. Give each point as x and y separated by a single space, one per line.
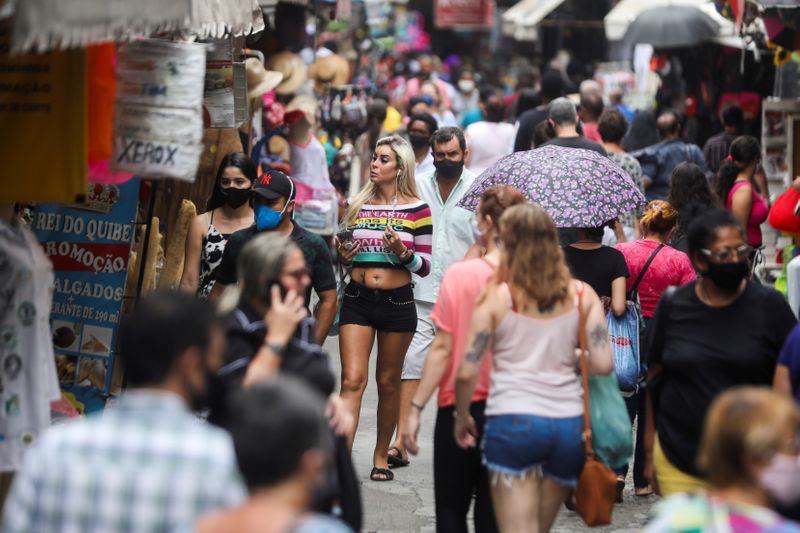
671 26
579 188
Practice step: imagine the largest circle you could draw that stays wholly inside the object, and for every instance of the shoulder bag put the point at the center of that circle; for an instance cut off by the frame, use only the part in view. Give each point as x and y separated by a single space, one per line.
596 490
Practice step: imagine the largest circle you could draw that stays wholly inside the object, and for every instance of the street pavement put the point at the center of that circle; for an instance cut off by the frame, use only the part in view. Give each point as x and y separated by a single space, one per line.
406 504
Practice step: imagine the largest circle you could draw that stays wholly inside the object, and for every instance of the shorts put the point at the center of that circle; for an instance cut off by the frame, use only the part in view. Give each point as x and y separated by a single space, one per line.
390 310
421 343
516 444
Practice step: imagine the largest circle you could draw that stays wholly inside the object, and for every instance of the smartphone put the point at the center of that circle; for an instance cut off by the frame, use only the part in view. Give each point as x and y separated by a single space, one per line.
346 235
267 293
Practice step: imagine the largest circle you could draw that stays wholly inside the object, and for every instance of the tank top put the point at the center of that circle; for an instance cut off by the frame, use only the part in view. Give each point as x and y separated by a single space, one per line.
534 366
210 257
759 211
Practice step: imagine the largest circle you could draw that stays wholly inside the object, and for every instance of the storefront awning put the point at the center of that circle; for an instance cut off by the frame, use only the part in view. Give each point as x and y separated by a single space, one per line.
57 24
520 20
626 11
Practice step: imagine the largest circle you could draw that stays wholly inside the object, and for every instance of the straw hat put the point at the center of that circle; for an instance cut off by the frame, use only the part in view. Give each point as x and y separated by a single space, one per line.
259 79
329 70
292 68
301 106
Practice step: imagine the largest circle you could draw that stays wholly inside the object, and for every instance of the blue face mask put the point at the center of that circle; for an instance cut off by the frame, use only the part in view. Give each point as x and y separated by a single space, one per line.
268 219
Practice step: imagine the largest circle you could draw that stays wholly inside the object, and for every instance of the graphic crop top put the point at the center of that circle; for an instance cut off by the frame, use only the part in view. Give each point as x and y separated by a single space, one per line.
414 226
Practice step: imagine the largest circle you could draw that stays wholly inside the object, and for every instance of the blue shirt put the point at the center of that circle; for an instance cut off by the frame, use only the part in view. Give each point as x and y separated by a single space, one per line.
790 358
658 162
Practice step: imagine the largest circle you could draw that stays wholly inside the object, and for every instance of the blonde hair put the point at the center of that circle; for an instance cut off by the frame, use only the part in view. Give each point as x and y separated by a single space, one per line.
659 217
533 254
744 425
407 185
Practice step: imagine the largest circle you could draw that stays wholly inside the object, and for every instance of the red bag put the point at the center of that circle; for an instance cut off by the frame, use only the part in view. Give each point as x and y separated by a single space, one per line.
783 214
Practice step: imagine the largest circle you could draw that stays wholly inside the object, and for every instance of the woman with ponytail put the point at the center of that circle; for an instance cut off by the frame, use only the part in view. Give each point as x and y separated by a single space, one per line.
735 187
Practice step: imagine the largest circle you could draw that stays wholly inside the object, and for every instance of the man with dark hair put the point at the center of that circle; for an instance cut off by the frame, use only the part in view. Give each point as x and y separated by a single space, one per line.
283 447
552 88
273 200
147 463
451 239
420 131
591 109
658 161
563 117
718 147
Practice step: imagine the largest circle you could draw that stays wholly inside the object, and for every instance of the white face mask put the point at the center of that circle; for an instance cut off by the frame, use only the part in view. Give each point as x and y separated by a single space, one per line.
781 479
466 86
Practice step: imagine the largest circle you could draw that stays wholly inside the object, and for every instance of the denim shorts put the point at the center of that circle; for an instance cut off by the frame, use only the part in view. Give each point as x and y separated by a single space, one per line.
390 310
514 445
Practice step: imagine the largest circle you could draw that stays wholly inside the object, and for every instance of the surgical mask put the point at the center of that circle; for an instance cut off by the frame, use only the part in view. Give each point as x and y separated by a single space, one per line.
477 234
418 140
727 275
781 479
236 197
466 86
449 169
268 219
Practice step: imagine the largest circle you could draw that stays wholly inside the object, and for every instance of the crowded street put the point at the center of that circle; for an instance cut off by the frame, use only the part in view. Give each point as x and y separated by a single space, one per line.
343 266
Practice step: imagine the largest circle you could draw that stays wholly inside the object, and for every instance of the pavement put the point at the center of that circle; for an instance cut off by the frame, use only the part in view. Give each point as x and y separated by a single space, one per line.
406 504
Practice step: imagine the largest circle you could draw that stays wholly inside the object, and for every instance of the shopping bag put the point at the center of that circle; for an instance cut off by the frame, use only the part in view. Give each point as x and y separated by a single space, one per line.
611 426
783 214
623 333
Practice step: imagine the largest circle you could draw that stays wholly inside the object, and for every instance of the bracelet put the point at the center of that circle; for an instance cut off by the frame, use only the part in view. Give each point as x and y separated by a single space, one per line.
417 406
409 259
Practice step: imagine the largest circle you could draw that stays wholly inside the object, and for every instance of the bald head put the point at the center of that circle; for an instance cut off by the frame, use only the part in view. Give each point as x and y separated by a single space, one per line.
668 125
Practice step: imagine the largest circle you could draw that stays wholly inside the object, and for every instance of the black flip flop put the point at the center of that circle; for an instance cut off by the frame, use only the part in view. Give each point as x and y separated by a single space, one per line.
396 461
381 472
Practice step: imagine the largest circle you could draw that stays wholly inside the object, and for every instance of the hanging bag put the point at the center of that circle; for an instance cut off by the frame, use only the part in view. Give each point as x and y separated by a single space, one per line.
596 490
783 215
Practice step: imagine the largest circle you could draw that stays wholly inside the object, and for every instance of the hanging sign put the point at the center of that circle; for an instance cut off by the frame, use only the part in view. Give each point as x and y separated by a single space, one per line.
158 122
464 14
89 245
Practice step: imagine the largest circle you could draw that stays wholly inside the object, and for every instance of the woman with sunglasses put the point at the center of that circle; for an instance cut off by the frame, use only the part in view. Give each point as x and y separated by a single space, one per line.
705 337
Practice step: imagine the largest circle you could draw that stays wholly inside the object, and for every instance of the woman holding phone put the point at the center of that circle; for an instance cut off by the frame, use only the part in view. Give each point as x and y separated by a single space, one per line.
391 238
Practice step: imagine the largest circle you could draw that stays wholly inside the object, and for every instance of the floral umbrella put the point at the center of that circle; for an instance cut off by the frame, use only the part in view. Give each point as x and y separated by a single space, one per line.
579 188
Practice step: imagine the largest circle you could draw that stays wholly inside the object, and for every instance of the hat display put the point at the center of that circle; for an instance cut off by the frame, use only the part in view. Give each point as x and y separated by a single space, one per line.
301 106
259 79
332 69
274 184
292 68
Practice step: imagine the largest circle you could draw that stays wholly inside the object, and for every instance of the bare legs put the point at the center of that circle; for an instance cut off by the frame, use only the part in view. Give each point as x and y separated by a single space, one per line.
408 388
527 505
355 344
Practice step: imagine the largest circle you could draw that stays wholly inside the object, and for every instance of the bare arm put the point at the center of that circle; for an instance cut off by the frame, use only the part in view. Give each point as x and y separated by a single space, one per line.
741 204
191 263
601 359
478 342
326 313
618 296
782 382
761 183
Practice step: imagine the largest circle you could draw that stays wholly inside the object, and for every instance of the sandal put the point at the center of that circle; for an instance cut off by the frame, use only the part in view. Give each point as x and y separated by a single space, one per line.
396 461
388 474
643 492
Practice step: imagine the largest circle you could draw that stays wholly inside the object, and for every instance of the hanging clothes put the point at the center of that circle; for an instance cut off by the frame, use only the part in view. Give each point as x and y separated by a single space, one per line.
28 378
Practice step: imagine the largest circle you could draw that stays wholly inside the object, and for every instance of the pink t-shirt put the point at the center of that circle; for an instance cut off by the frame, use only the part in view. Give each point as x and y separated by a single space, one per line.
462 284
670 267
591 133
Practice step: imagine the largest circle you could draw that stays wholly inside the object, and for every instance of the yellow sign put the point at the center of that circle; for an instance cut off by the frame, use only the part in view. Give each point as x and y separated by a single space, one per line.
42 123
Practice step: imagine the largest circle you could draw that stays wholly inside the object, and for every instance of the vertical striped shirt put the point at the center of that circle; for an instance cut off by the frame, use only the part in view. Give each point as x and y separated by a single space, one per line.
414 226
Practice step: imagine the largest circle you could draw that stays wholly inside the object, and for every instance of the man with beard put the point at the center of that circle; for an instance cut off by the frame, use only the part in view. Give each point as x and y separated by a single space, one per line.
420 131
273 206
148 463
452 238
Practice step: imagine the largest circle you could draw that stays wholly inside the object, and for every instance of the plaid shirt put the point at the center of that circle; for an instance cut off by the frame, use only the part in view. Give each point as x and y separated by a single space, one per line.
145 465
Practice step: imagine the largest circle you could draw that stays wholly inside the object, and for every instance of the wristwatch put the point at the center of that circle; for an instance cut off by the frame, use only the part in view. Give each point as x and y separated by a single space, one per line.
276 347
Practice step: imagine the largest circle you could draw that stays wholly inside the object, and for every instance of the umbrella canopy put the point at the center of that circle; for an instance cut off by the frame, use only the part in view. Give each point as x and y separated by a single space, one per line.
579 188
671 26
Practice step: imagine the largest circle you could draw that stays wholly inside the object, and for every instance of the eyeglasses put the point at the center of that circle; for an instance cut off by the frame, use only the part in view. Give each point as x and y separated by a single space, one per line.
299 274
728 254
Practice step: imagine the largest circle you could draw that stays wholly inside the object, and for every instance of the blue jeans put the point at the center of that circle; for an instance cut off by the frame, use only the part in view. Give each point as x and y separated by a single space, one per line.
514 445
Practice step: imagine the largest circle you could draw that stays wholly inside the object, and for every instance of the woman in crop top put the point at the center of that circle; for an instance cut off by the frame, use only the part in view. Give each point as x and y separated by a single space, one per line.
735 187
391 238
533 434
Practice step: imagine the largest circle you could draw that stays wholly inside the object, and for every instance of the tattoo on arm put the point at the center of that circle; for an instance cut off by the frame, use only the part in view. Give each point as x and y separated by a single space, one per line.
599 336
479 346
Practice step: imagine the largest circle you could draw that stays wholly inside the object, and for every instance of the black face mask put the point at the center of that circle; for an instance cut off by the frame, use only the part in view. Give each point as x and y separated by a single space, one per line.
449 169
418 140
236 197
727 276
